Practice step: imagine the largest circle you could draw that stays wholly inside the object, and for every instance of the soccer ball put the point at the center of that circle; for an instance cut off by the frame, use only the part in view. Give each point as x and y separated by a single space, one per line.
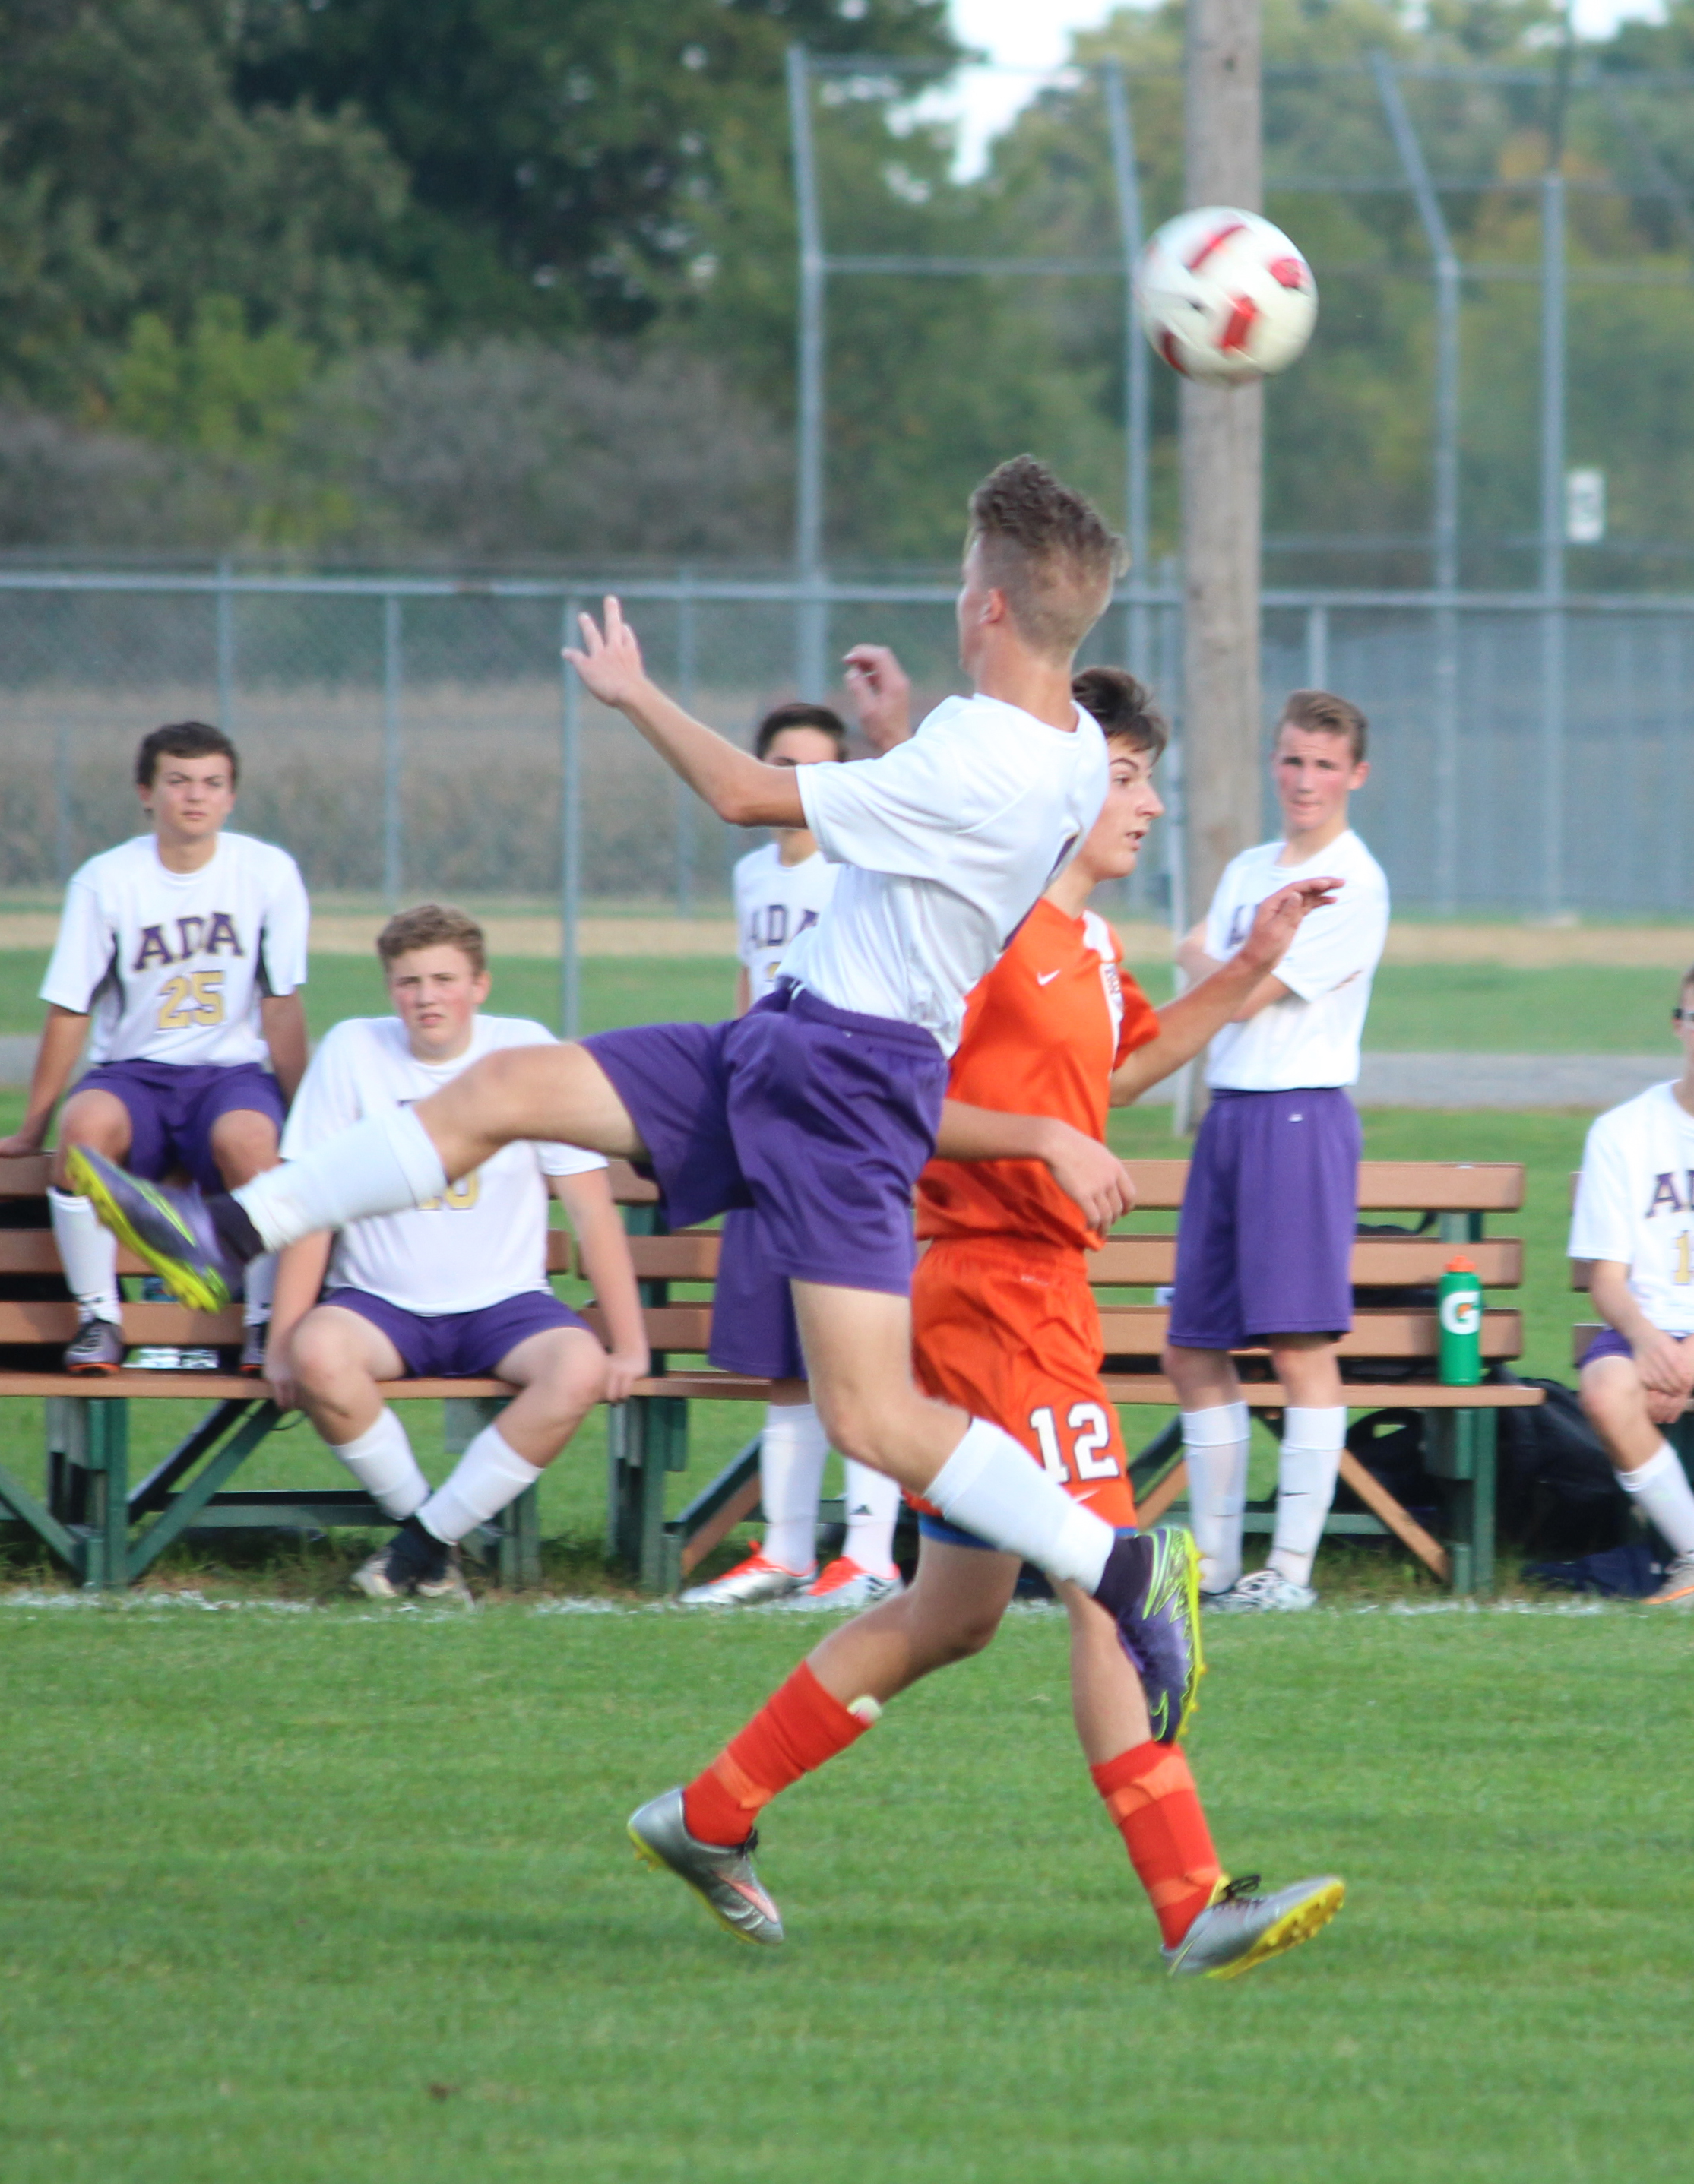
1224 296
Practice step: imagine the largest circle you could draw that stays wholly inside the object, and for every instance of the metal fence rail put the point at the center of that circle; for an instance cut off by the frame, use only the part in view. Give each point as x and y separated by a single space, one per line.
410 734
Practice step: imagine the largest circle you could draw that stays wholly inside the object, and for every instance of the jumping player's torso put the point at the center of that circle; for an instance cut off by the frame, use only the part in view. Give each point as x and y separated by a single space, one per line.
486 1239
774 904
1043 1033
172 966
1635 1203
1311 1038
947 841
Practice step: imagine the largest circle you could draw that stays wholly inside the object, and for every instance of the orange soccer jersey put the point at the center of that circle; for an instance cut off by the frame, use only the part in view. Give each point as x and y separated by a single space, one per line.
1004 1323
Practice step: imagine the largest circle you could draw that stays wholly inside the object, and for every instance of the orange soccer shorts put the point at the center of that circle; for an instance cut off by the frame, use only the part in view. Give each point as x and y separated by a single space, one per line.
1009 1331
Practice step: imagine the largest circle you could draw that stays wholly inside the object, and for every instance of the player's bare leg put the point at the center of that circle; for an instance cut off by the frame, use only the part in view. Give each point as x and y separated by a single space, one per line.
858 1348
1630 1418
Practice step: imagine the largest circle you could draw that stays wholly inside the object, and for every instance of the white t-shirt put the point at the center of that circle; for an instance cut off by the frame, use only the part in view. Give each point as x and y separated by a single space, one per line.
172 966
949 841
486 1239
1312 1036
1635 1202
774 904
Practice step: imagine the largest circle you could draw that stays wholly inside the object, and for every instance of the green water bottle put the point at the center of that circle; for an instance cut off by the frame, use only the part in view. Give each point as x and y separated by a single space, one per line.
1458 1307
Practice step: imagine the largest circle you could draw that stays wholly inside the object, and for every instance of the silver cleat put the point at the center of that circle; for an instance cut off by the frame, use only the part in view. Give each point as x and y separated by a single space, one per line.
1675 1588
1238 1930
1265 1592
376 1580
747 1584
722 1878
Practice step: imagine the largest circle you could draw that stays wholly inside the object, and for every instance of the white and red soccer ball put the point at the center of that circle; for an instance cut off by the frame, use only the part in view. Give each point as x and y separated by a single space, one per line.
1224 296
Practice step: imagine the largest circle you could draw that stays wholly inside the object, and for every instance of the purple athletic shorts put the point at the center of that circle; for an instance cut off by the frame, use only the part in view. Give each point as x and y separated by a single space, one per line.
172 1109
1608 1343
460 1346
1265 1238
752 1324
817 1118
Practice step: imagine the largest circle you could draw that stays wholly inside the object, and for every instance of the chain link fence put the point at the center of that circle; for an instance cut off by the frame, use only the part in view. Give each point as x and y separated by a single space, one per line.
412 736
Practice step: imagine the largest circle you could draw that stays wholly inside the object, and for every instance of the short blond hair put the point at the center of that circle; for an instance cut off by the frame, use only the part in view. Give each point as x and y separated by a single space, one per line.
1321 712
432 925
1048 550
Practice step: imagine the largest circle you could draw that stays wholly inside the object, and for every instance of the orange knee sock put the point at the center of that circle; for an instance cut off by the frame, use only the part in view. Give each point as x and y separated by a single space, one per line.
1151 1797
796 1730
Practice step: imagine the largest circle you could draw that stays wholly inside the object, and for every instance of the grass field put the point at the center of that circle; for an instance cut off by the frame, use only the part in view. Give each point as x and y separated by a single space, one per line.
326 1896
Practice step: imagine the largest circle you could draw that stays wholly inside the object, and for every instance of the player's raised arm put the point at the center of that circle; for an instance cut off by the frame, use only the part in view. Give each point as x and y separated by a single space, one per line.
1238 988
739 786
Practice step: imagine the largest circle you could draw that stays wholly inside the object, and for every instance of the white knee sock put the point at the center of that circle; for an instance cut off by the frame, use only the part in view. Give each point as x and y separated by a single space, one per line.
872 1506
489 1474
991 1486
88 1254
1215 1444
382 1165
1661 1492
258 1288
792 1449
1312 1443
382 1462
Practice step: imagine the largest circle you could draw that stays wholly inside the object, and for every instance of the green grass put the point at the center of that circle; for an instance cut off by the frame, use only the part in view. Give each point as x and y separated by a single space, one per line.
1457 1007
303 1898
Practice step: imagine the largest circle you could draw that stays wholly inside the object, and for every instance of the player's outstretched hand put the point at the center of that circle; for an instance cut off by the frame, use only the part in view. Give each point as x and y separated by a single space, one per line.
879 690
609 663
1278 919
279 1376
1087 1171
624 1367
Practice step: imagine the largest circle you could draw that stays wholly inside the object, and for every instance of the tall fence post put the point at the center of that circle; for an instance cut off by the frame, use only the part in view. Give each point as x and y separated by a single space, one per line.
393 842
1317 647
1136 355
569 831
64 852
1551 752
683 803
225 643
809 606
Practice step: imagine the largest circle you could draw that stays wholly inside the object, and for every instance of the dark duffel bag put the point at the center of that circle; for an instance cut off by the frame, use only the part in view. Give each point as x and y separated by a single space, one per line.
1558 1496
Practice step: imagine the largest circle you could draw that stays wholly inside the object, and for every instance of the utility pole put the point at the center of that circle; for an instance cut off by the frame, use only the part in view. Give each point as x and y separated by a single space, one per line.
1223 434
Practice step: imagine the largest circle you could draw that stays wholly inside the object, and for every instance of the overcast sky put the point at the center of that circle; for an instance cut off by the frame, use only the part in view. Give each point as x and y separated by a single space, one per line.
1036 34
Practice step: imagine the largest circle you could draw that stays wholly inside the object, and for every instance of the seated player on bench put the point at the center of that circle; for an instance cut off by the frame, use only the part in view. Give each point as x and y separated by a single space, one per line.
457 1287
187 948
1634 1223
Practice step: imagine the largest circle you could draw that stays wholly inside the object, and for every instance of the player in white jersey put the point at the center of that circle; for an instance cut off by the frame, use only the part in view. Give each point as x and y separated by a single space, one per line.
779 892
458 1288
1265 1240
1634 1225
819 1107
180 958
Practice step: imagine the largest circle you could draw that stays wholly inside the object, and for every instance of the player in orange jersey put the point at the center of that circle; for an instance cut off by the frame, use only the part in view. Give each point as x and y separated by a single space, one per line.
1005 1322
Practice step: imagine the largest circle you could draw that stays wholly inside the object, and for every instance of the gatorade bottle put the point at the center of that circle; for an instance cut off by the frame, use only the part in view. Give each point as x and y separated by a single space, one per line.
1458 1307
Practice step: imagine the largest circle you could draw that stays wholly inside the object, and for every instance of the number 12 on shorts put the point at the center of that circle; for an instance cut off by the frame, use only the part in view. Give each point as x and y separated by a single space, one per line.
1089 1436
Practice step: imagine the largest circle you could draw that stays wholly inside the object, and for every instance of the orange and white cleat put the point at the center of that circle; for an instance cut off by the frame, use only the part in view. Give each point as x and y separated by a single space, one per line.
749 1585
847 1586
1677 1589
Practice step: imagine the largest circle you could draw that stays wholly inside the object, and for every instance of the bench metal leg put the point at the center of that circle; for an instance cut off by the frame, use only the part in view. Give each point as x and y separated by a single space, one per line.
646 1437
1461 1453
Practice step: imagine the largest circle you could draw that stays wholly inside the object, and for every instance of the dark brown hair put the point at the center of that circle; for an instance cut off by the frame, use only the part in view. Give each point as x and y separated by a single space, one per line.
1321 712
799 715
432 925
183 739
1123 707
1047 549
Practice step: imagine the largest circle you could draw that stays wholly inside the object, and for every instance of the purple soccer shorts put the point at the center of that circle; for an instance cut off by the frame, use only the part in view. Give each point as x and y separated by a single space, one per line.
460 1346
172 1109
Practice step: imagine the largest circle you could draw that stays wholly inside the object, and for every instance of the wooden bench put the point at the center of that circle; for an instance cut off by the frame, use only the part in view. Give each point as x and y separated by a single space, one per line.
1454 1198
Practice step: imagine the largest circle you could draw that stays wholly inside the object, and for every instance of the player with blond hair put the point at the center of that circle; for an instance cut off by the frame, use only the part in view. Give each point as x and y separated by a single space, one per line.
819 1108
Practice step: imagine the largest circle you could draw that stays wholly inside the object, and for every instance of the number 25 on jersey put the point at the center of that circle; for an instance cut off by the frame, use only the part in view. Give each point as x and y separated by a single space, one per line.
192 998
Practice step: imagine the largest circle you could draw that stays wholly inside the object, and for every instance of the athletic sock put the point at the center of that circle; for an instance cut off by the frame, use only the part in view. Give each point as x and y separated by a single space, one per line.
1153 1802
872 1506
490 1473
88 1254
991 1486
797 1729
1215 1443
1312 1443
1659 1489
384 1164
792 1450
381 1459
258 1286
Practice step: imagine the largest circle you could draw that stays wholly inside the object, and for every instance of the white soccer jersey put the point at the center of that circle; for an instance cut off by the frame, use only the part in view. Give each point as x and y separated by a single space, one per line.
774 904
949 841
173 966
1635 1202
486 1239
1312 1036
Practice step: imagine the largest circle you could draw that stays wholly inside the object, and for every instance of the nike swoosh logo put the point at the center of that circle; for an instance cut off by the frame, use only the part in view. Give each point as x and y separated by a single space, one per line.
1045 977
